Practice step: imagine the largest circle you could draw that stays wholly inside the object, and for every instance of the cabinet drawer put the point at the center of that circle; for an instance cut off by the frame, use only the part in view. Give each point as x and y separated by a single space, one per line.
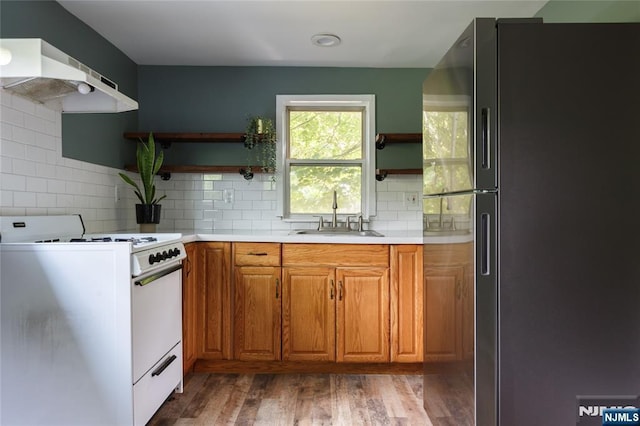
256 254
448 254
336 254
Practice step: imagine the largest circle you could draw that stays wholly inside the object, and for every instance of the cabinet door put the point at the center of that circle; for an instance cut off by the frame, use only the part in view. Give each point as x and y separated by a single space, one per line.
189 309
406 303
214 319
308 318
442 311
362 315
257 320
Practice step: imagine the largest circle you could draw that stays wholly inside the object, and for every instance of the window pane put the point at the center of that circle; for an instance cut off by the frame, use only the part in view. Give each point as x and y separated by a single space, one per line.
445 134
311 189
325 135
446 176
454 205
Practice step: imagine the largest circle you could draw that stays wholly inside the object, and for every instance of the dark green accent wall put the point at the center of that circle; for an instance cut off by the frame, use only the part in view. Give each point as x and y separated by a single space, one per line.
591 11
221 99
96 138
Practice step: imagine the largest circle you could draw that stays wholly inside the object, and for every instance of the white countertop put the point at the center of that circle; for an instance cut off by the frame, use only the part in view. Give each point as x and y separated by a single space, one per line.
283 236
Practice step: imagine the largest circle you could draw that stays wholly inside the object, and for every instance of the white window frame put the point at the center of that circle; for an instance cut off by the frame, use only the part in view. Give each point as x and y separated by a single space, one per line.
368 201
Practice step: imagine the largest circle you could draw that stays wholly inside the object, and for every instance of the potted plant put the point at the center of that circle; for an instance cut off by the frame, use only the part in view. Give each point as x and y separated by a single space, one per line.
260 133
148 211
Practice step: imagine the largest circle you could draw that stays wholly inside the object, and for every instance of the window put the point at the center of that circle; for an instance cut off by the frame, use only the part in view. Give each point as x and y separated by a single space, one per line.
325 145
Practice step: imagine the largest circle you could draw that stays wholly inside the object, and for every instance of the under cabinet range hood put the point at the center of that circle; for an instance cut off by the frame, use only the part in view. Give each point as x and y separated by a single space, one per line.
34 69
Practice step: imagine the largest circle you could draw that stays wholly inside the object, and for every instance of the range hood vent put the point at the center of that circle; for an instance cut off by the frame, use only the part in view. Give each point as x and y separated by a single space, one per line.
34 69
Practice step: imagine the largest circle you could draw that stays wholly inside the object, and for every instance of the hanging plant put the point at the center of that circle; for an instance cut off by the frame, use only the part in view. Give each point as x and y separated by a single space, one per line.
261 134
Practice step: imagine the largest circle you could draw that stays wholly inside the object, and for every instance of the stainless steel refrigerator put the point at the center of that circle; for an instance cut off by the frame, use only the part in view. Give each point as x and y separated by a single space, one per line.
531 175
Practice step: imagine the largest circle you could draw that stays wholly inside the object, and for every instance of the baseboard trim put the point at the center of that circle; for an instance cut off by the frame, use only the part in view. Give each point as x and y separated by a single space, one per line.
281 367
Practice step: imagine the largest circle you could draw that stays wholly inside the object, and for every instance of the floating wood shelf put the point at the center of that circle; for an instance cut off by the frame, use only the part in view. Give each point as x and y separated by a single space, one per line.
382 139
165 171
381 174
188 137
166 139
194 169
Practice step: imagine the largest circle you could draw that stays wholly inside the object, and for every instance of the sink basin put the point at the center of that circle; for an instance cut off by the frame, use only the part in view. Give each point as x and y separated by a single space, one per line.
336 232
445 232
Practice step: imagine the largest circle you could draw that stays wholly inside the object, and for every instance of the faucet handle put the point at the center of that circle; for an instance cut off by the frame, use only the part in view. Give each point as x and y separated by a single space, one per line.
349 221
320 222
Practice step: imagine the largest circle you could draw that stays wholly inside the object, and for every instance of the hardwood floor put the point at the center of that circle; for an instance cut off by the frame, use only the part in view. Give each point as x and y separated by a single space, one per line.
449 399
296 399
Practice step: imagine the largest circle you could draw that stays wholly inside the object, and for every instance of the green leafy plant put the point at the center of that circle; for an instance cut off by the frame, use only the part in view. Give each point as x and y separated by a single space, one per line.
148 166
261 133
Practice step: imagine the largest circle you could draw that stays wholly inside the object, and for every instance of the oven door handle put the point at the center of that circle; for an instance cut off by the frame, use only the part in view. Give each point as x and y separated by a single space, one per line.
158 275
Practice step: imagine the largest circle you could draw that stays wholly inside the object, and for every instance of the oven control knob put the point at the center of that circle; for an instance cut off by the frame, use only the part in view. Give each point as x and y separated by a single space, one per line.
165 255
152 259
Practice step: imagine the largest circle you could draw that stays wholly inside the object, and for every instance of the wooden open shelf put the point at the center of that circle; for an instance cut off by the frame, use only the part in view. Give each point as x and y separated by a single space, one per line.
382 139
187 137
195 169
166 139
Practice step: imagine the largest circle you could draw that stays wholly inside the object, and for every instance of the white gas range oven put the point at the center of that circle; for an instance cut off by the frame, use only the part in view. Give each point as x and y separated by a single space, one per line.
91 325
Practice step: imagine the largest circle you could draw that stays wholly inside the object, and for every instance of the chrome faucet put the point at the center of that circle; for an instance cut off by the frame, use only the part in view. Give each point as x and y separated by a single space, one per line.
444 190
334 218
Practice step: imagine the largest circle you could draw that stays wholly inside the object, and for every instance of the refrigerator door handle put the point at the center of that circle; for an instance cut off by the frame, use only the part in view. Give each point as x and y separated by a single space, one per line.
485 244
486 148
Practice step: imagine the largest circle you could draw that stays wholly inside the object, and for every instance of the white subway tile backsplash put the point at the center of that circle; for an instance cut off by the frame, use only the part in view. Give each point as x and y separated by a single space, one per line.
13 182
6 132
36 179
35 123
23 135
45 200
24 199
24 105
23 167
6 198
11 116
34 153
35 184
55 186
12 149
6 165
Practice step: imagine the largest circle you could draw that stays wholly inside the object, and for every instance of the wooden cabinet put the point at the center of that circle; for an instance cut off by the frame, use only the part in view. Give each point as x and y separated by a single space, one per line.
407 303
306 302
309 311
257 299
189 308
214 300
362 323
336 302
448 302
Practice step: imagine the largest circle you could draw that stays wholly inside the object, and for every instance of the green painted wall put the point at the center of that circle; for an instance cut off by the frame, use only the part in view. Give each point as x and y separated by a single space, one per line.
220 99
96 138
591 11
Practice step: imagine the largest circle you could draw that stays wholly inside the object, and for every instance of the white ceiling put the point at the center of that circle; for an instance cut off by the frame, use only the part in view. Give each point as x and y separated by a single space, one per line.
392 33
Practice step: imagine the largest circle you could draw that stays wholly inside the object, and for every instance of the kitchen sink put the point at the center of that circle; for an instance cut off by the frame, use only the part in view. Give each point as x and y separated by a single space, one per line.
445 232
336 232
